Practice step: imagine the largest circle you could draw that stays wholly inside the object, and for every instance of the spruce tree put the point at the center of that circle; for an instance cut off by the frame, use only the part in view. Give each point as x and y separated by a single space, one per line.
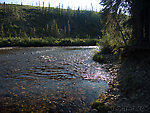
68 24
2 31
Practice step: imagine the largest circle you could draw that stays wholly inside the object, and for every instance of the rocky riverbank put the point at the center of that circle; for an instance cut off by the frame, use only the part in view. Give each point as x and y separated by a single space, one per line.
129 89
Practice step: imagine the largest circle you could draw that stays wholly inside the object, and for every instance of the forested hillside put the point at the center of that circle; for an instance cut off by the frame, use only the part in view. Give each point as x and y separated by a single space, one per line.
31 21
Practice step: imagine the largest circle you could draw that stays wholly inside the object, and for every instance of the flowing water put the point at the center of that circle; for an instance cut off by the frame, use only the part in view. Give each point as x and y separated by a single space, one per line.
50 79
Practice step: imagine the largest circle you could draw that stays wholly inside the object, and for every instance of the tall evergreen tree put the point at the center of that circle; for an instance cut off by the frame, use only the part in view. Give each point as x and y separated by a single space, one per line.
2 31
68 24
91 6
49 5
39 4
65 31
34 32
140 16
43 4
47 30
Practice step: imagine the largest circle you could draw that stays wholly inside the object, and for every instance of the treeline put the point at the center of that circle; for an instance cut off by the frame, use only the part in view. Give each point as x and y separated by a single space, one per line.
49 41
31 21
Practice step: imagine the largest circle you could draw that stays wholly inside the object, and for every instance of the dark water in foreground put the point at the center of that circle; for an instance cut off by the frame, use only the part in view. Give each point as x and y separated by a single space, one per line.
50 79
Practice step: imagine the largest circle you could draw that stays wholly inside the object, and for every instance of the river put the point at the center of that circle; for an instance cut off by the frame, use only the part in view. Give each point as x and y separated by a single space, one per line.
50 79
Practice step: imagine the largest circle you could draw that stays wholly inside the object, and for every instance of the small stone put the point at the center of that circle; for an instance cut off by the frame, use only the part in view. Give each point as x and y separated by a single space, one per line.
93 111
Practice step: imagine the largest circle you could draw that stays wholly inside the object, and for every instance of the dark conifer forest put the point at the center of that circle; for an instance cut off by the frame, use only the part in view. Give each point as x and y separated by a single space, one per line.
34 21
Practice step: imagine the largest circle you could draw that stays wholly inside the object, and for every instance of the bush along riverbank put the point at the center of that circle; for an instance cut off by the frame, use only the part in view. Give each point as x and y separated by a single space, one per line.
129 90
38 42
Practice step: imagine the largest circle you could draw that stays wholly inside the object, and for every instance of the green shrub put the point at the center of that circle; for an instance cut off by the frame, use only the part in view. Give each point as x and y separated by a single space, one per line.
98 57
49 41
101 107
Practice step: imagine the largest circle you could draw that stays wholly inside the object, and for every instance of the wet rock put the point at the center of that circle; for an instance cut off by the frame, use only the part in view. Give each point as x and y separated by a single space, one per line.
52 106
93 111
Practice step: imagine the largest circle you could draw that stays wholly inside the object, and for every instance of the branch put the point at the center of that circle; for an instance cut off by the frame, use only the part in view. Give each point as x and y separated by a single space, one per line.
119 28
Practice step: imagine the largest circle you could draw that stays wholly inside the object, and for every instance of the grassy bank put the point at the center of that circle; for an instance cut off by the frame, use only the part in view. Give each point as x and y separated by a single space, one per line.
38 42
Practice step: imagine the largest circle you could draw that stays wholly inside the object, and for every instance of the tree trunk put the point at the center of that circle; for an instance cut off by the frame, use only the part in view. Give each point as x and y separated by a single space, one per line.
119 28
137 22
141 21
146 16
149 26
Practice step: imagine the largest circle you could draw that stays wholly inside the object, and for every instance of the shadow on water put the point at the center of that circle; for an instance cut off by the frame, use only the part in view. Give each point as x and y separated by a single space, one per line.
50 79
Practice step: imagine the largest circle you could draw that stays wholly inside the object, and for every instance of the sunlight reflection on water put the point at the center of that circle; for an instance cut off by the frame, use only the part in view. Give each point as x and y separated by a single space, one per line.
50 79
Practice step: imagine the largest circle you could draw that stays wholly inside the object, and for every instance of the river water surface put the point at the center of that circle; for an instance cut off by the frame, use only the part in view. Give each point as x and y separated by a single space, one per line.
50 79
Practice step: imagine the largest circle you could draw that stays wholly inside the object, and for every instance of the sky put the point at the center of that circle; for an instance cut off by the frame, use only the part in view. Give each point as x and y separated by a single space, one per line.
73 4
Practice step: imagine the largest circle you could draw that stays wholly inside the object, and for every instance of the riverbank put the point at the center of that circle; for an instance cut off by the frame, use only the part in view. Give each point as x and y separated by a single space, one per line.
128 91
39 42
6 48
